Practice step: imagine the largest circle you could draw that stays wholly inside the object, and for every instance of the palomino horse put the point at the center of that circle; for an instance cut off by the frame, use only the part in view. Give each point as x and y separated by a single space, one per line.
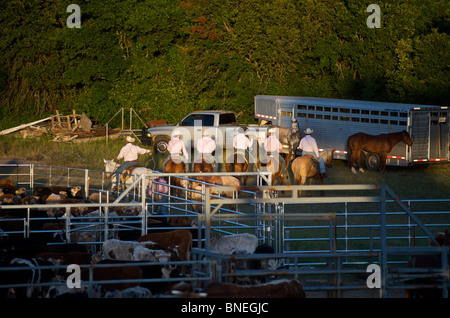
308 167
238 163
177 166
381 144
271 164
111 166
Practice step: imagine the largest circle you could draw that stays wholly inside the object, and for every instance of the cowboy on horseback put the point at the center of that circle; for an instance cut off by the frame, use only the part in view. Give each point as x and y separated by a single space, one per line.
130 154
272 144
241 142
206 146
176 148
309 147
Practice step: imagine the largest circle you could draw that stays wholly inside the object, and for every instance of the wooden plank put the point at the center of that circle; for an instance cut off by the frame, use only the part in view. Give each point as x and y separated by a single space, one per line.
13 129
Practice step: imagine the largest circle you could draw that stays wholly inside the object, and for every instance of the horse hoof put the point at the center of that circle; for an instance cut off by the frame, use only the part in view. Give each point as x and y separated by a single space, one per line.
354 170
361 170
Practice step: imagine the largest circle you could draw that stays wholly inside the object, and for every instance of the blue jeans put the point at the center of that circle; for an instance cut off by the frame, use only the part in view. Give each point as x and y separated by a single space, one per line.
321 161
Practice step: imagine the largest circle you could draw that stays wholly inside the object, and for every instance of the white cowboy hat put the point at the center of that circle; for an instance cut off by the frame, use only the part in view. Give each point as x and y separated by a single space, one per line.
205 132
272 130
130 139
308 131
176 132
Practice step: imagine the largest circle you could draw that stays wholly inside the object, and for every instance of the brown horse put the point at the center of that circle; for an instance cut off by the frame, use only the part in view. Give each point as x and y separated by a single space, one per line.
308 167
202 165
271 164
175 165
380 144
238 163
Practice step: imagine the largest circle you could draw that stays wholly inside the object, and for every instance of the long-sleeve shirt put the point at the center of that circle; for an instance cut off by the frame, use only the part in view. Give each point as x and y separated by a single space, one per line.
308 144
241 141
272 144
206 145
176 146
130 152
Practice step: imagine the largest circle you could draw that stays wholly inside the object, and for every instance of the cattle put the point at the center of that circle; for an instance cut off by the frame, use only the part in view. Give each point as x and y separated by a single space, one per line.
128 250
283 288
135 270
431 262
42 193
73 257
274 289
7 186
225 244
176 238
61 199
31 273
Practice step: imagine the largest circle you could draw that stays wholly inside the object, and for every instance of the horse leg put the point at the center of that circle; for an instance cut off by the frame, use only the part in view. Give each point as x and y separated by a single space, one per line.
358 160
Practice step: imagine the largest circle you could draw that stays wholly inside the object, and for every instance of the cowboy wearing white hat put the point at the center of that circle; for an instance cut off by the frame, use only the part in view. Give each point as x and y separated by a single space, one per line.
309 147
129 153
176 147
206 146
272 144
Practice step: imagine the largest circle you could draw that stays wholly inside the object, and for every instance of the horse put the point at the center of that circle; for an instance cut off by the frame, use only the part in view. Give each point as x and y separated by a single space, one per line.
177 166
291 137
381 144
202 165
307 166
271 164
238 162
111 166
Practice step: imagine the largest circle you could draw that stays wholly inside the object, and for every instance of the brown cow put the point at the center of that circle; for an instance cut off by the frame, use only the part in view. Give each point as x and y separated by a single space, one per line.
177 238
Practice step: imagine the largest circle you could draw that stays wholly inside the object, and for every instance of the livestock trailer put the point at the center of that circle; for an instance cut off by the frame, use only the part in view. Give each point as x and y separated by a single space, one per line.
334 120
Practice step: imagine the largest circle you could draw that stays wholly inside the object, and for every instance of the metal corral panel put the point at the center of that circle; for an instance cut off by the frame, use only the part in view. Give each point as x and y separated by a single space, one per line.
334 120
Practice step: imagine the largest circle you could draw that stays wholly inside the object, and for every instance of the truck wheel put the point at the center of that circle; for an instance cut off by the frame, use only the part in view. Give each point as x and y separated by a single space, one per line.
372 161
161 143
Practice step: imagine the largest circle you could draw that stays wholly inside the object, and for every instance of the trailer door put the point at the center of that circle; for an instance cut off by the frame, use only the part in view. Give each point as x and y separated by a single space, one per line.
420 134
439 129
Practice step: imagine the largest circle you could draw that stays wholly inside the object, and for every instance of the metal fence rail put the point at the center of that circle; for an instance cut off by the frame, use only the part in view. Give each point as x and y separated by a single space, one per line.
333 235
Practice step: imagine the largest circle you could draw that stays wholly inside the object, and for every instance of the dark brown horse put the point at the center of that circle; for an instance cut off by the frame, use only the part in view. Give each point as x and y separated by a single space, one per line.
271 164
238 163
202 165
175 165
380 144
306 166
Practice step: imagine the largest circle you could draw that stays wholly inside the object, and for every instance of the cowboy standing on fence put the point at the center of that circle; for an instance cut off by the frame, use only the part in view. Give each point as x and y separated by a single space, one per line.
309 147
129 153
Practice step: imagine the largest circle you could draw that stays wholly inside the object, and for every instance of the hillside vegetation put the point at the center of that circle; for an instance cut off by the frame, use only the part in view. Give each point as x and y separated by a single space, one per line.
166 58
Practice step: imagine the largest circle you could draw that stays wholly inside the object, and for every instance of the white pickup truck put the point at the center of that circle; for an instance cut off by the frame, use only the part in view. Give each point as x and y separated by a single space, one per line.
221 125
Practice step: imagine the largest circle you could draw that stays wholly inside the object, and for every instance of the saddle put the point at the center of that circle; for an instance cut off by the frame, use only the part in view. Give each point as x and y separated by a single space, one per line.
314 160
127 173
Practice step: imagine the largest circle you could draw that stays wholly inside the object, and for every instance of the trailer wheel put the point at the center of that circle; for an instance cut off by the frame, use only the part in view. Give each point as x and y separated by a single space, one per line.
372 161
161 143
